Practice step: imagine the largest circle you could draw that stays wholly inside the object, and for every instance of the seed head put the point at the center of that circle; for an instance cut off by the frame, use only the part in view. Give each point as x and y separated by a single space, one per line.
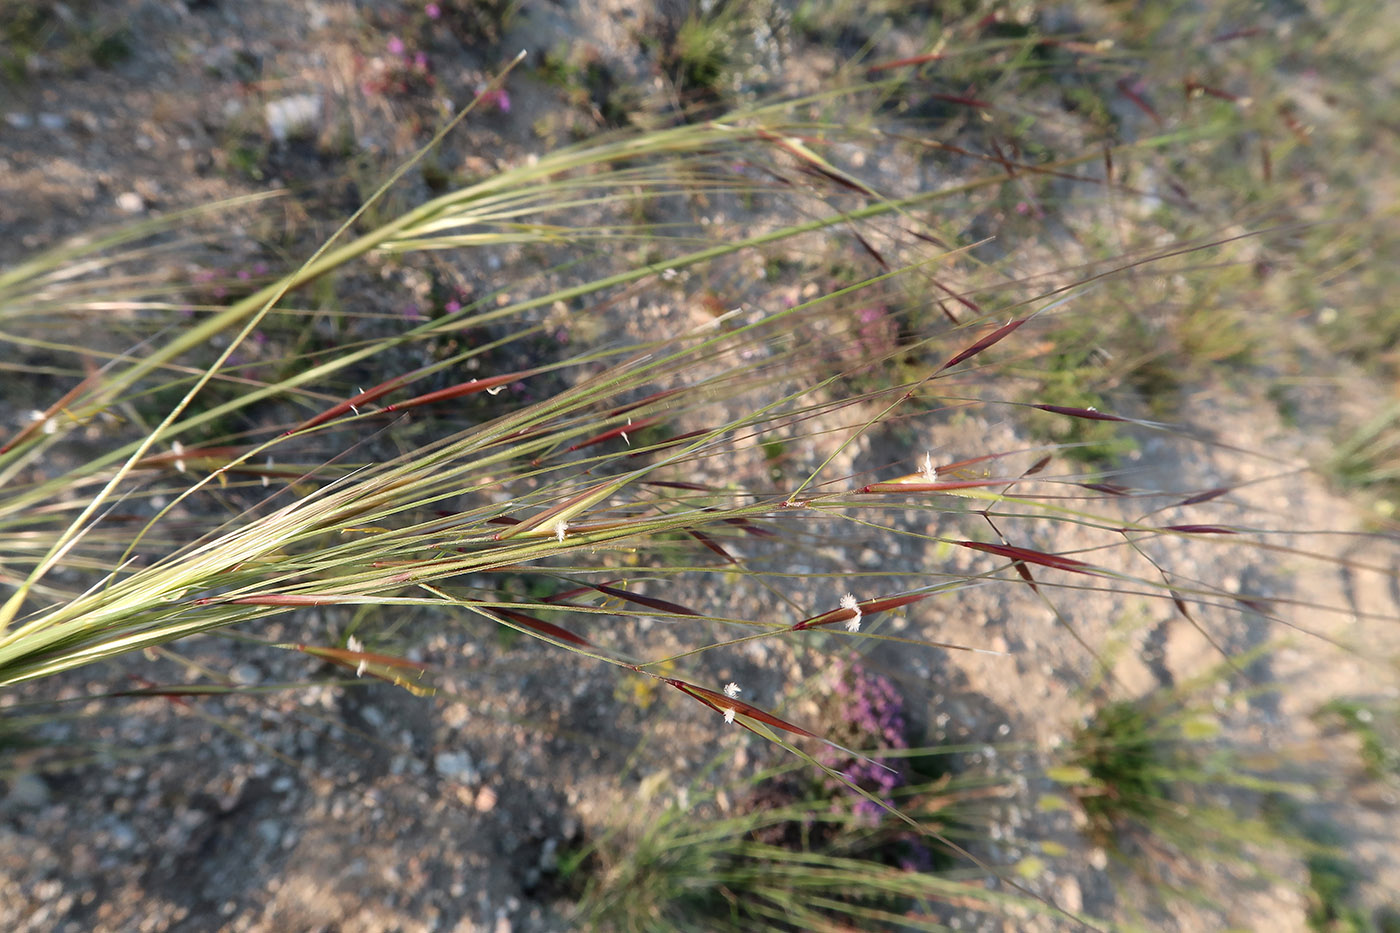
731 690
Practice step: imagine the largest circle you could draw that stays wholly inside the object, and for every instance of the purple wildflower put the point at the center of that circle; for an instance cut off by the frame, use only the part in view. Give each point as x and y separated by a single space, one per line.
496 97
871 714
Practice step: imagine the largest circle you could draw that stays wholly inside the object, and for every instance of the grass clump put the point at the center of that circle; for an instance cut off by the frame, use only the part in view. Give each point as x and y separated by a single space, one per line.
781 849
1192 819
40 36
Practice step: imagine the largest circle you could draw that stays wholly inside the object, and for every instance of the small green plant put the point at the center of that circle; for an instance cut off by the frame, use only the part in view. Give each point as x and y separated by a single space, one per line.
1332 883
1376 726
1123 758
76 36
1368 459
1179 810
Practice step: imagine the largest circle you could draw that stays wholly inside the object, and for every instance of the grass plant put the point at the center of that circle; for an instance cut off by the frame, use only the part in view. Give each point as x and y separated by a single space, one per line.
651 399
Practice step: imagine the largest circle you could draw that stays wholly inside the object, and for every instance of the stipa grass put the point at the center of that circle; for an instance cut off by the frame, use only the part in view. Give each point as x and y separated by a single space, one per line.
411 463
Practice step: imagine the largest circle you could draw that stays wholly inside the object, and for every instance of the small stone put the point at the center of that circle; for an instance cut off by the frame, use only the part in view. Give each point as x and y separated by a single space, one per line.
549 855
130 202
270 831
19 121
246 673
1070 897
27 792
52 121
456 766
290 116
485 800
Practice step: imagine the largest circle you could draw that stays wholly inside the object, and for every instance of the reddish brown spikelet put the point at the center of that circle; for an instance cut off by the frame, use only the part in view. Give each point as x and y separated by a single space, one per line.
1202 529
1253 605
959 298
620 431
874 253
1039 465
543 627
354 401
1113 489
719 703
651 602
751 528
891 602
865 609
1206 496
826 618
1130 88
1025 573
711 544
987 341
1029 556
1088 414
61 405
470 387
567 595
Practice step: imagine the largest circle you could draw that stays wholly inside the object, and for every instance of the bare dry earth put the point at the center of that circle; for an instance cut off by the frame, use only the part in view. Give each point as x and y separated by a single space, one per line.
370 809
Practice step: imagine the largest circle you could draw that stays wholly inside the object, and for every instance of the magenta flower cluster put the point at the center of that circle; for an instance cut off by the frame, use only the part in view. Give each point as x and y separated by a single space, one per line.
401 71
877 333
871 716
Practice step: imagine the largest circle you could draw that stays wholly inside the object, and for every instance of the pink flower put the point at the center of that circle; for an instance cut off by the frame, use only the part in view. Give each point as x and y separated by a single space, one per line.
433 10
396 46
497 98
